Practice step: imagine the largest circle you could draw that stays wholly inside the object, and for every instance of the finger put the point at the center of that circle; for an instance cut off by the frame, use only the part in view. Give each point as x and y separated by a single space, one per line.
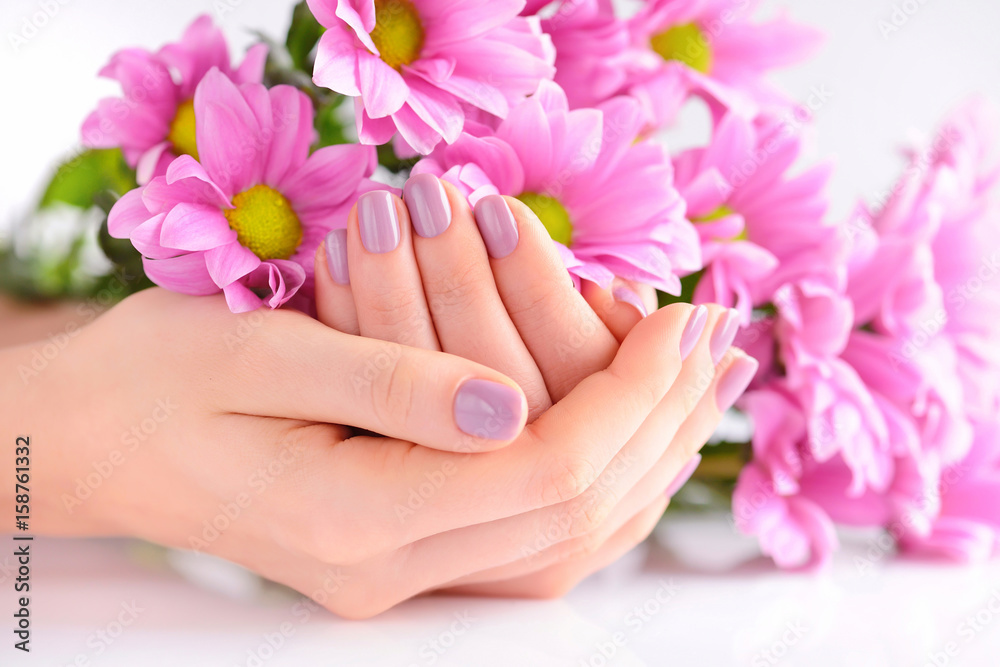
385 280
334 298
557 540
560 578
564 335
673 469
543 530
469 317
294 367
621 305
555 460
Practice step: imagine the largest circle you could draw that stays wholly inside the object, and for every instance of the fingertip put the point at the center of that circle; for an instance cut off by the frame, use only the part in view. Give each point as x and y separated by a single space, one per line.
491 413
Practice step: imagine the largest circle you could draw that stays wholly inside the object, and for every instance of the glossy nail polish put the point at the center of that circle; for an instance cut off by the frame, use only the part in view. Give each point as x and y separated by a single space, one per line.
693 330
724 334
497 226
735 381
683 476
489 410
378 222
428 204
336 256
624 295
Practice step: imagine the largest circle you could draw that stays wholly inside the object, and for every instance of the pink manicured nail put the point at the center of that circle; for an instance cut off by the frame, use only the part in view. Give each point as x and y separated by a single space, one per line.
496 225
724 334
488 410
693 330
683 476
378 221
336 256
624 295
428 203
736 380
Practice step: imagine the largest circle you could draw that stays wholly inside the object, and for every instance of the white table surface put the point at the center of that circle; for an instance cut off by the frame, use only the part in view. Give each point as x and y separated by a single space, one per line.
697 595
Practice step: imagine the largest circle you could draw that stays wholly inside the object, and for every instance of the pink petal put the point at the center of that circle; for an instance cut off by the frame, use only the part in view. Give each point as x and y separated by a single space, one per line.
146 239
252 68
227 264
195 227
240 298
527 130
154 162
372 131
128 213
230 144
438 110
292 133
336 63
360 16
186 274
329 177
383 89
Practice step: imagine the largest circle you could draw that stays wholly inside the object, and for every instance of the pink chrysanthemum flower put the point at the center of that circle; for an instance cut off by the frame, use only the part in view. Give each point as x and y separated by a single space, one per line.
154 121
247 217
710 47
414 66
937 318
760 226
792 530
592 51
607 201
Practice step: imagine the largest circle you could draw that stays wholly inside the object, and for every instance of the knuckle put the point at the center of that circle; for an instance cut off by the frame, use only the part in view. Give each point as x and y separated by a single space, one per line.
566 478
532 308
637 394
394 308
454 291
393 393
591 510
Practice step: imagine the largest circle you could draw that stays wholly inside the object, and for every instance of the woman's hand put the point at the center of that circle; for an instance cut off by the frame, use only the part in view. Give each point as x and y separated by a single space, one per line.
173 420
490 286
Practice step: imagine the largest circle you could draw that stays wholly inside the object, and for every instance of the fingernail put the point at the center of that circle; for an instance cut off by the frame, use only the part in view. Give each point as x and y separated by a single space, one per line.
428 203
496 225
693 330
623 294
735 382
724 334
336 256
378 221
489 410
683 476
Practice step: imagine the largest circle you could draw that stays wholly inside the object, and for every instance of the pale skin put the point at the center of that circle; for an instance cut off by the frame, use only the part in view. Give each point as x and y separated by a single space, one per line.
197 411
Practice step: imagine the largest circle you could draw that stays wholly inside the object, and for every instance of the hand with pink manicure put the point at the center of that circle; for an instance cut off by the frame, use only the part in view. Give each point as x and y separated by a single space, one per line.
488 285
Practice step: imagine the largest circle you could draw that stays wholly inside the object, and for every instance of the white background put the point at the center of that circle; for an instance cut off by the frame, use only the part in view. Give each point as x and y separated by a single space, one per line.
731 606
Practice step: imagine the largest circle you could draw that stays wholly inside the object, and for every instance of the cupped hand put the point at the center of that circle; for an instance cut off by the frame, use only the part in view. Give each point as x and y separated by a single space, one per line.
489 286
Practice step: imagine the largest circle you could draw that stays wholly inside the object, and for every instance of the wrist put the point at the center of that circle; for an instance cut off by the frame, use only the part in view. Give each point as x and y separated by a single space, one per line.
36 411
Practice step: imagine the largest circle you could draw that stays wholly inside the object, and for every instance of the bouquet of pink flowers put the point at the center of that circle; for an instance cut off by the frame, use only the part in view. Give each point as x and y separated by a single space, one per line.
877 402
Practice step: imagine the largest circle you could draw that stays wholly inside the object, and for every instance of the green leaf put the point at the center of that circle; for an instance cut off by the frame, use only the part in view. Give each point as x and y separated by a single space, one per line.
688 285
387 158
328 126
92 173
303 35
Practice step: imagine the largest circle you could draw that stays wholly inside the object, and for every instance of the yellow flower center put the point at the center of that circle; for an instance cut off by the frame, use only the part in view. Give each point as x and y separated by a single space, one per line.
553 215
265 223
182 134
398 33
719 213
684 43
